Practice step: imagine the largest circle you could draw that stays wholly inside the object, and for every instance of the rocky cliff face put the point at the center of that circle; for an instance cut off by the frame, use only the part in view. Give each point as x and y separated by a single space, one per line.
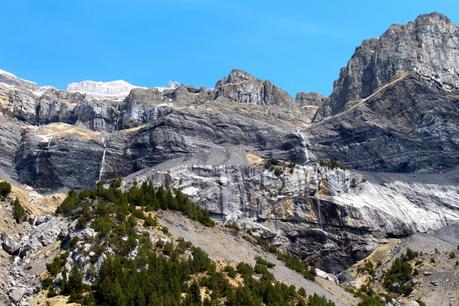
426 46
407 126
248 153
242 87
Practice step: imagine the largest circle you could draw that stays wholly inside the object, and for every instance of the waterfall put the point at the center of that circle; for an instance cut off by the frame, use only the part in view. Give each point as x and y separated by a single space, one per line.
304 143
37 162
102 162
317 195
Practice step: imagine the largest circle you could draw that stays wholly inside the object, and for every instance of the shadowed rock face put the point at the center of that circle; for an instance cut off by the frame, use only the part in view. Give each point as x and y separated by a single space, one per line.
426 46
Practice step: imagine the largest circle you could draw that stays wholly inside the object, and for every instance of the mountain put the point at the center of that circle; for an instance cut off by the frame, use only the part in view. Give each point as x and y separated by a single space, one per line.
426 47
12 80
112 89
327 180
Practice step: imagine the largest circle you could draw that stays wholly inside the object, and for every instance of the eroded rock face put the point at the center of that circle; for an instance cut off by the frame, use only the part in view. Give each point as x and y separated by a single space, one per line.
396 130
329 217
426 46
59 155
242 87
77 108
18 103
305 99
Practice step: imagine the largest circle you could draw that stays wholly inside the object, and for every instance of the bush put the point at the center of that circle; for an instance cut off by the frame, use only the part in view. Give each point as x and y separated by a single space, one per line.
69 204
278 171
19 212
56 265
264 262
5 189
231 271
297 265
149 221
316 300
371 301
233 226
400 272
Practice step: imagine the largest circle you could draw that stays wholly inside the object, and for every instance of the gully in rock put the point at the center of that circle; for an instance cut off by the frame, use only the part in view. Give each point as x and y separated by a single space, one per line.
317 180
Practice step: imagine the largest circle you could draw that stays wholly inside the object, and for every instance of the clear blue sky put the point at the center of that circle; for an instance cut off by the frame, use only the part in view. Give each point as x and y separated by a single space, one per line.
299 45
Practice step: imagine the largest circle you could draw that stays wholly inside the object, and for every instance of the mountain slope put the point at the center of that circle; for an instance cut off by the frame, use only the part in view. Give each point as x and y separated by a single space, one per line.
378 161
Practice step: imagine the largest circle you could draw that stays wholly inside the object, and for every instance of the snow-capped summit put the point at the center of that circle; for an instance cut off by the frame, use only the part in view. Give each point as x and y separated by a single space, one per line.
12 80
112 89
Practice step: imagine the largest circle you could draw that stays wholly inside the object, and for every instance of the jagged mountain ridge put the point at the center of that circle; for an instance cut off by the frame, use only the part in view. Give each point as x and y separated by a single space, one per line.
215 143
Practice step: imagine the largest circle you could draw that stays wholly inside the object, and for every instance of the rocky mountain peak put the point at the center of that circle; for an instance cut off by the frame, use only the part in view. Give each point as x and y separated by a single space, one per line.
236 76
12 80
243 87
427 46
432 18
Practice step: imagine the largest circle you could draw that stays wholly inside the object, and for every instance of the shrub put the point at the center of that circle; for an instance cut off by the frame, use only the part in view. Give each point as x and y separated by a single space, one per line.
264 262
316 300
5 189
19 212
233 226
149 221
231 271
56 265
371 301
400 272
278 171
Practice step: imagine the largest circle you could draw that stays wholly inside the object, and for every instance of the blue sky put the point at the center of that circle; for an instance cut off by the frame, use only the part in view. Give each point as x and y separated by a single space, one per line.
299 45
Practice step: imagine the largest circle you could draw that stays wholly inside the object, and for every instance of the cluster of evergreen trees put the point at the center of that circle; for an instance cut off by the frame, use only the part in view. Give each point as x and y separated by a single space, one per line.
145 196
161 273
401 273
171 278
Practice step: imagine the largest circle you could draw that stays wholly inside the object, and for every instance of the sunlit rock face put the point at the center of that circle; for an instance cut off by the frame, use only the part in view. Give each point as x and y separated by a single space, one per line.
427 46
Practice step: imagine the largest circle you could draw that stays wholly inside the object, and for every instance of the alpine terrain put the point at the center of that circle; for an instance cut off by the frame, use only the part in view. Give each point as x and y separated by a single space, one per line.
114 194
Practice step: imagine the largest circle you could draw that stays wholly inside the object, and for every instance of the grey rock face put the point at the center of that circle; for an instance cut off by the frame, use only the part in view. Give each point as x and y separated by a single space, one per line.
310 99
329 217
9 244
12 80
18 103
10 139
242 87
59 155
77 108
396 130
428 46
143 106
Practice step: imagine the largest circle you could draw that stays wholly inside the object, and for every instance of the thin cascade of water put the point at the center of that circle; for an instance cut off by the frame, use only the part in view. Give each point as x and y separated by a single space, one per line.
304 143
102 162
